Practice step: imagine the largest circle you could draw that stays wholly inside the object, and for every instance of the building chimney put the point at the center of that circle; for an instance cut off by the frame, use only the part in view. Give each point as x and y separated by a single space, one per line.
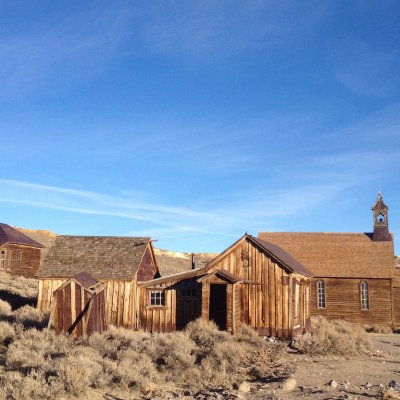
193 263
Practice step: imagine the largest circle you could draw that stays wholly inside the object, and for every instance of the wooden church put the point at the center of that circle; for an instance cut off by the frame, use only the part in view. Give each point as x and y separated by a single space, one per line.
353 274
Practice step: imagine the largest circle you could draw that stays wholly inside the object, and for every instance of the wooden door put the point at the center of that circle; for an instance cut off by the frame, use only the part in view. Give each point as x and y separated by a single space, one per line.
218 305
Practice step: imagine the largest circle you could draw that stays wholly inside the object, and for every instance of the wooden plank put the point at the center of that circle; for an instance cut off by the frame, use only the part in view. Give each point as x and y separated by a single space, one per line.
73 306
127 292
272 315
40 295
120 310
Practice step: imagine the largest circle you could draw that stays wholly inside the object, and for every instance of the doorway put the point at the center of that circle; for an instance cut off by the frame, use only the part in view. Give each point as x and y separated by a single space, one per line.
217 312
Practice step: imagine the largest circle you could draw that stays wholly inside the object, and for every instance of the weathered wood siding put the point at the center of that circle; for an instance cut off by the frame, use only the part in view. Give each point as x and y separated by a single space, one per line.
120 300
158 318
77 312
265 296
343 300
30 260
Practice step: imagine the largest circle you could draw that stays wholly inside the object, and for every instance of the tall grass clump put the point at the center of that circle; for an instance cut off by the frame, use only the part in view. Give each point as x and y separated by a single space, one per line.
336 337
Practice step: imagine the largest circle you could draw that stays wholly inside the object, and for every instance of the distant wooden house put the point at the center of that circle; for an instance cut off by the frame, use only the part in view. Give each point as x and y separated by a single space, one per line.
253 282
354 276
119 263
19 254
79 306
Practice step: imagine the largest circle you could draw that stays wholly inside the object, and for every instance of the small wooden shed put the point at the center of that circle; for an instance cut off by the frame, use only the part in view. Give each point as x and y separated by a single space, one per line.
79 306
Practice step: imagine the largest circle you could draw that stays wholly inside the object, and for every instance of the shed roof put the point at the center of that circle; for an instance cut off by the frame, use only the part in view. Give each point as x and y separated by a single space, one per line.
347 255
8 234
104 257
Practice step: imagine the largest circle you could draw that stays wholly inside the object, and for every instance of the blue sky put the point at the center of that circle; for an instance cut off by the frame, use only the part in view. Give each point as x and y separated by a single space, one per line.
195 121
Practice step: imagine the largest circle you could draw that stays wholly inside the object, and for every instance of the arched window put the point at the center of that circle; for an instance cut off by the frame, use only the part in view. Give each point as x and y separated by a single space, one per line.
321 294
2 259
364 296
380 218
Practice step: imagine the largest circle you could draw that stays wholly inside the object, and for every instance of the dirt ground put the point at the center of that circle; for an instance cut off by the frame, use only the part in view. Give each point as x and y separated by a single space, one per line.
357 378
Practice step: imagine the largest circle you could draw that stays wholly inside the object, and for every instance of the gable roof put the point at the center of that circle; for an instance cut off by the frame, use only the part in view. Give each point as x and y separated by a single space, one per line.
8 234
279 254
347 255
86 281
104 257
284 257
226 275
379 204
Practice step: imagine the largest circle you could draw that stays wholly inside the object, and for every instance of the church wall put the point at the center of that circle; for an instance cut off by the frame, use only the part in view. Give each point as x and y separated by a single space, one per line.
343 300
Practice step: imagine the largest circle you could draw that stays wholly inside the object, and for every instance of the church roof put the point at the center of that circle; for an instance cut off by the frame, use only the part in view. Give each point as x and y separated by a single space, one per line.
349 255
379 204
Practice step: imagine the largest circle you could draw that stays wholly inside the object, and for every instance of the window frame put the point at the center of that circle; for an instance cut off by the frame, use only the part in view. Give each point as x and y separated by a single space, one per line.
296 299
19 258
364 290
2 260
157 298
9 260
321 295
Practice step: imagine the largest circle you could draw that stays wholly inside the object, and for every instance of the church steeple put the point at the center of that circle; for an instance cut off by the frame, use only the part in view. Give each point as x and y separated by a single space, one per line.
380 213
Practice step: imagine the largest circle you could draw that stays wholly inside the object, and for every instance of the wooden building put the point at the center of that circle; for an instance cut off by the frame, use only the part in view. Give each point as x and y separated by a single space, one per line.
253 282
19 254
119 263
354 276
78 308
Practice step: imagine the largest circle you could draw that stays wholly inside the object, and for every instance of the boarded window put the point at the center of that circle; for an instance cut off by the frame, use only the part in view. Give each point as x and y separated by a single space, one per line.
9 255
188 289
2 259
321 294
19 257
157 298
364 296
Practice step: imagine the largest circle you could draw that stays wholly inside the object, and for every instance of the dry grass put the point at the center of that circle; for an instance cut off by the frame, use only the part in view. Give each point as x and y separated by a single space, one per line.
134 364
379 329
5 309
19 285
7 333
335 337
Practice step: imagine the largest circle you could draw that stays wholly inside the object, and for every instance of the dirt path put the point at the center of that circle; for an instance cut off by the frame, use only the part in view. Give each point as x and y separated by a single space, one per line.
357 378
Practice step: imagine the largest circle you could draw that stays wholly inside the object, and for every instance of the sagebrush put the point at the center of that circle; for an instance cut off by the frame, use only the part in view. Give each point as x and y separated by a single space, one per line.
40 364
336 337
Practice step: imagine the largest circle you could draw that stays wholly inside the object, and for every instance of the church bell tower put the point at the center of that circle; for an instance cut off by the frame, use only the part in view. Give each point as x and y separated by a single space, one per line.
380 213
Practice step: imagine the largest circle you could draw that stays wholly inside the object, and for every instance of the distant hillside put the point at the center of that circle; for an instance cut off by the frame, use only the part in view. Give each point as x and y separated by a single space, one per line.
169 262
397 261
46 238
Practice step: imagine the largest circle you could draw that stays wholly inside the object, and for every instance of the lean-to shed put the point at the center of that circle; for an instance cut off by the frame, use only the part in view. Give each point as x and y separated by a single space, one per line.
79 306
253 282
119 263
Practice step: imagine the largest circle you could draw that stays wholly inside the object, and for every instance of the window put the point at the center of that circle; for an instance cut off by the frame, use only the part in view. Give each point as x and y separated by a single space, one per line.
364 296
321 294
380 218
307 301
296 301
188 289
2 259
19 257
9 253
157 298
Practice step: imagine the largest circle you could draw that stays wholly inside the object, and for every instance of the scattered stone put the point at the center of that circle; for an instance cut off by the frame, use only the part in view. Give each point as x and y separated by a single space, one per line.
244 387
288 385
333 384
394 385
368 385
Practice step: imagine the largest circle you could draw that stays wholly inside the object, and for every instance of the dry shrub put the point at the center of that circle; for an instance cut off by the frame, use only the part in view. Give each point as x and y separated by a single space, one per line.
134 364
336 337
19 285
30 317
5 309
7 333
379 329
